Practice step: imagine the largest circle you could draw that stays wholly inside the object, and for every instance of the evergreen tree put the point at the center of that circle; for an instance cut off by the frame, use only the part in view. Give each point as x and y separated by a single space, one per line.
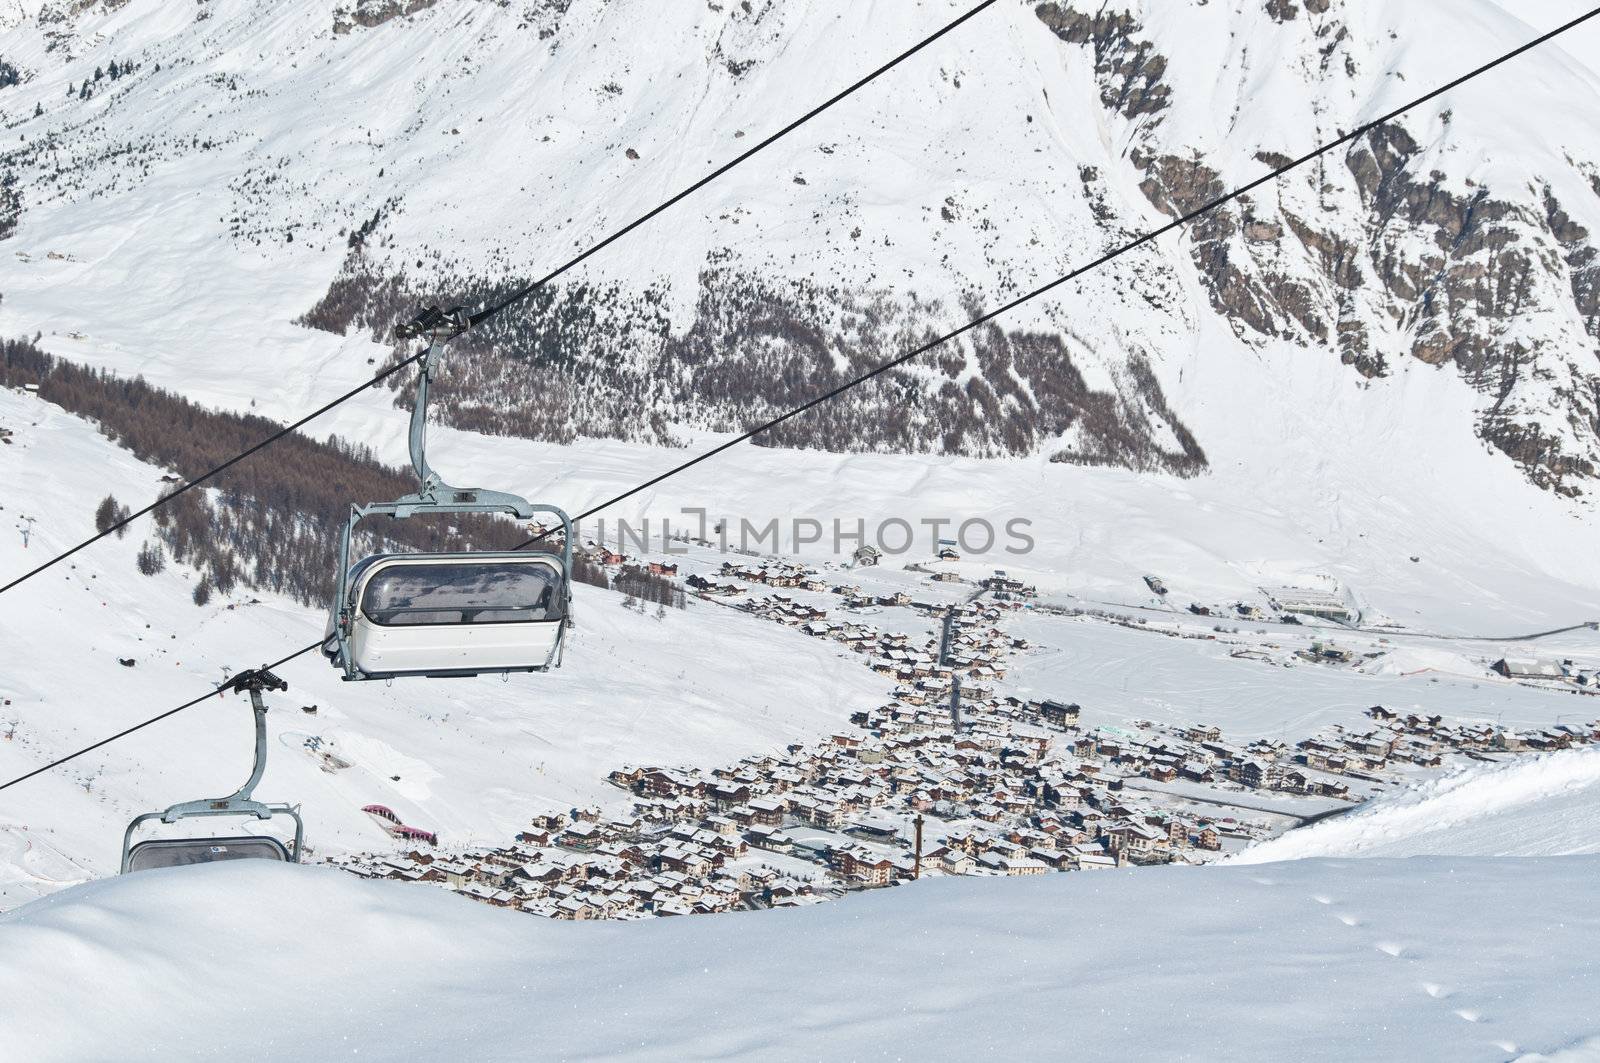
152 559
202 591
105 514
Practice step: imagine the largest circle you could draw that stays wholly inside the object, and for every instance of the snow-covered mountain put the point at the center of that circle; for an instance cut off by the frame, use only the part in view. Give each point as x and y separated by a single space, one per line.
188 182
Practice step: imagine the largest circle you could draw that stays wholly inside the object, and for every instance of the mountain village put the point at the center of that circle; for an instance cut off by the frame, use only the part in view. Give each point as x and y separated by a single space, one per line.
948 777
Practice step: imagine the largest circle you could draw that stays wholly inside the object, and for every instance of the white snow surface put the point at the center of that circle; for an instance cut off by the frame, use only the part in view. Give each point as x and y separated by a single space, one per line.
475 758
1533 806
1318 960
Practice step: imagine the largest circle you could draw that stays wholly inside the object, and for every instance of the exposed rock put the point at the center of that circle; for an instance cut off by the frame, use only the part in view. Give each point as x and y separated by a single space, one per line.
368 14
1129 70
1455 271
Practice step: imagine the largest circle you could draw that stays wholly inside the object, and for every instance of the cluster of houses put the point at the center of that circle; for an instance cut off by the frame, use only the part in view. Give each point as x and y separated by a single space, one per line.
1012 792
1398 739
1007 786
976 653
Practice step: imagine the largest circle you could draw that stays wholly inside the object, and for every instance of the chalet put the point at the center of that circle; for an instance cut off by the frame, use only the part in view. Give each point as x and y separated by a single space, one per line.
868 868
625 777
1527 668
1058 713
1091 861
581 835
1256 774
684 861
726 796
659 782
1326 761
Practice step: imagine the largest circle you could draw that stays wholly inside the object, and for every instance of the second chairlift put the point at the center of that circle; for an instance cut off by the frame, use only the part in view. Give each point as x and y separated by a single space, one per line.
447 614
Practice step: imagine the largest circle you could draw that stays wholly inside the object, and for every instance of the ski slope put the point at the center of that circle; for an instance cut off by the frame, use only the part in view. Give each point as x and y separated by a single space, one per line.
471 759
1318 959
1540 806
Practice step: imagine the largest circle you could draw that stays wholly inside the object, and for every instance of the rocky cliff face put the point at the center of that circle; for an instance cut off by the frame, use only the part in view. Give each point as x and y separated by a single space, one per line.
1373 254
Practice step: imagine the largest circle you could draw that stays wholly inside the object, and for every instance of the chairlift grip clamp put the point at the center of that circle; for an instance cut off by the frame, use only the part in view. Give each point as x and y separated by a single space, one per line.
436 325
255 680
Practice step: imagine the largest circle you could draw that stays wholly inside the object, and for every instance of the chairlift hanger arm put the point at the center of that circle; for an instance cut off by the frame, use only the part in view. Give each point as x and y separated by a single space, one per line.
242 802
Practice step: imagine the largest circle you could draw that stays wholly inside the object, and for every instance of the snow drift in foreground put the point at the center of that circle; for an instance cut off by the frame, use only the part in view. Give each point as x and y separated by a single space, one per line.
1380 959
1540 806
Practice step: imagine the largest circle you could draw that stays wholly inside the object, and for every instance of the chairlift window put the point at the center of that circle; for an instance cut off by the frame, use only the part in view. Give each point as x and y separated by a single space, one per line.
182 852
494 592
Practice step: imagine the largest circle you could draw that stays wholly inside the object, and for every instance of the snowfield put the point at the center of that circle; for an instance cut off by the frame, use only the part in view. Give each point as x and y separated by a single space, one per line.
1541 806
1315 960
1120 675
472 759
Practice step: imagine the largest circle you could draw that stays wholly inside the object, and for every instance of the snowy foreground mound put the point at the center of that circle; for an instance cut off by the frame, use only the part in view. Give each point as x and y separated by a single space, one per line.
1464 959
1543 806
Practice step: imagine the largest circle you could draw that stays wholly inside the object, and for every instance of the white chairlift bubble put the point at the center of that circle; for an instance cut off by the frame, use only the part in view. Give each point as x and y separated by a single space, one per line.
448 614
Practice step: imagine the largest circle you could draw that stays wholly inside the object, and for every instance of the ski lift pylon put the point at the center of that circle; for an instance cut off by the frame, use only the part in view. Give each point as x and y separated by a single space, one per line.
447 614
177 852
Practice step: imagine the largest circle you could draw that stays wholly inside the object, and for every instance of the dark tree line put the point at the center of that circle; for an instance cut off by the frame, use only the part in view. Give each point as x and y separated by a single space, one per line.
642 584
583 360
272 521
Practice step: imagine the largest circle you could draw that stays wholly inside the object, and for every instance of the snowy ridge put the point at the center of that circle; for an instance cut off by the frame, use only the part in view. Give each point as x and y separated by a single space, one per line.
205 177
1330 960
1538 806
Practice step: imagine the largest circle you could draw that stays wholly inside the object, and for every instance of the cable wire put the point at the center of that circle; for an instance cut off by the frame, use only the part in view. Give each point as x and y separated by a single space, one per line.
154 719
974 323
524 292
203 477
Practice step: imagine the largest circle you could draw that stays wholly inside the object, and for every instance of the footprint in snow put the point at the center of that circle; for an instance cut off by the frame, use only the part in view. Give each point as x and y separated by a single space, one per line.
1350 920
1469 1015
1435 990
1505 1046
1389 948
1322 898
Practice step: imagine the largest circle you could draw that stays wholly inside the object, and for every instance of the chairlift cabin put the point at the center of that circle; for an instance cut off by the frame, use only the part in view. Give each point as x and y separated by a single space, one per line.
448 614
179 852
